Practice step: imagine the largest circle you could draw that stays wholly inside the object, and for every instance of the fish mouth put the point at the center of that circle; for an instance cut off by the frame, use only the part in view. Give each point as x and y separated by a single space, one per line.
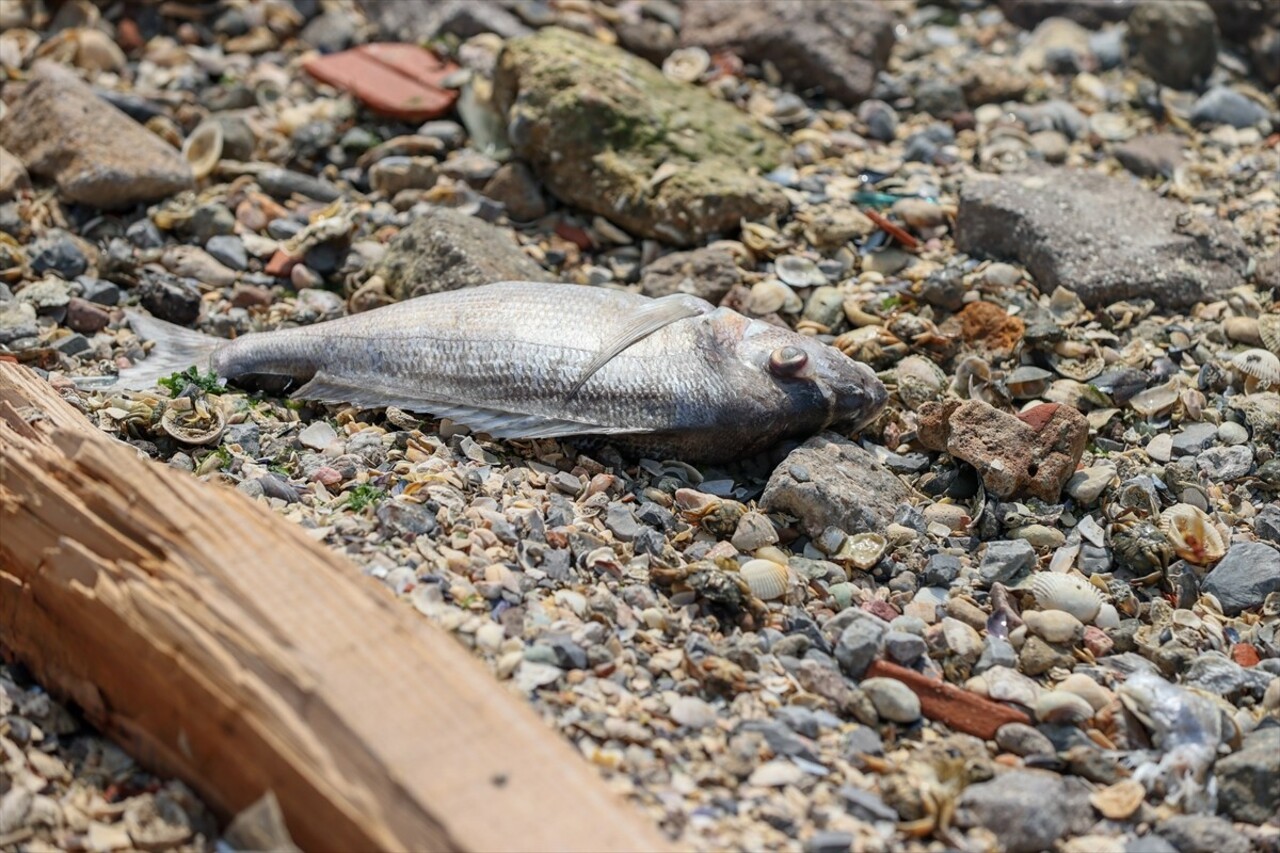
858 399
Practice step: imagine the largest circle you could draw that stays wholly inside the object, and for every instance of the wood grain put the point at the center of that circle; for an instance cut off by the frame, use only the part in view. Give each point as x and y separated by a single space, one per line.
217 643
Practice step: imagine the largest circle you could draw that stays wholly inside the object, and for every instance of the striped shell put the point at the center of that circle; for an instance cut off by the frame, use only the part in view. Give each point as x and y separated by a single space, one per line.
1269 331
1260 367
767 579
1192 534
1069 593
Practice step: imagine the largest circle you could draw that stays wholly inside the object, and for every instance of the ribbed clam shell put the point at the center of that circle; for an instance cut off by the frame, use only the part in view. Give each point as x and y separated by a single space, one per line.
203 149
1269 331
767 579
1192 534
1260 364
1069 593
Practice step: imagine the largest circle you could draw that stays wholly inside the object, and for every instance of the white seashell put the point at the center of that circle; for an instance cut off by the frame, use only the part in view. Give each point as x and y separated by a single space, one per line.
767 579
1192 534
1121 800
686 65
203 149
1260 368
1157 400
1069 593
799 271
195 428
863 550
771 295
1269 331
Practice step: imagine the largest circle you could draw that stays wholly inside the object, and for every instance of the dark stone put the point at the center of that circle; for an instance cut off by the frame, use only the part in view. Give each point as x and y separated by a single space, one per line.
57 252
1244 577
405 518
169 298
705 273
282 183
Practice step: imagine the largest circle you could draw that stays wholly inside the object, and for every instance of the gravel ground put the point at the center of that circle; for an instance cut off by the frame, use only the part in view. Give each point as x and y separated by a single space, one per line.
1057 240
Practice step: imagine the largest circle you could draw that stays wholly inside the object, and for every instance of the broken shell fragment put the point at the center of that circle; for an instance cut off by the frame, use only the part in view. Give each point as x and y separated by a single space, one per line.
1119 801
863 550
1192 534
203 149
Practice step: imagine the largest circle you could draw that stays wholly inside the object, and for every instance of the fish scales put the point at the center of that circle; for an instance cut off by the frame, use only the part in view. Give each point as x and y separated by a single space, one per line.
532 359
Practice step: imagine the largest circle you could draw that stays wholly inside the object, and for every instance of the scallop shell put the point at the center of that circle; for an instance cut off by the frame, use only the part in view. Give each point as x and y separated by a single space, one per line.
1119 801
203 149
1069 593
767 579
1269 331
686 65
1262 368
864 550
799 271
1192 534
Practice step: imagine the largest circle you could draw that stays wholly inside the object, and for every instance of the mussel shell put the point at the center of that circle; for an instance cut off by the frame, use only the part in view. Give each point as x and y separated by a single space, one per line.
1120 383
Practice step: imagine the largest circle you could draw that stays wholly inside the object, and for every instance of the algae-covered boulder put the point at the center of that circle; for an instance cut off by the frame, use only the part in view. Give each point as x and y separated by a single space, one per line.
606 131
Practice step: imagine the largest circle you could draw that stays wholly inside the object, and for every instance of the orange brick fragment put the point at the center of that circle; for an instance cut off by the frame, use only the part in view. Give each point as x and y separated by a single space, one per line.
397 80
960 709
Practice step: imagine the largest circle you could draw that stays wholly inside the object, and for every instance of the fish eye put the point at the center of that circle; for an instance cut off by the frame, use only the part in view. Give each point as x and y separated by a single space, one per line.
787 361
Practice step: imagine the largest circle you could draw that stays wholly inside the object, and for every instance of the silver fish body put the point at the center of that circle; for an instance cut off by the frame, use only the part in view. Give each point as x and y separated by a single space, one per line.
526 359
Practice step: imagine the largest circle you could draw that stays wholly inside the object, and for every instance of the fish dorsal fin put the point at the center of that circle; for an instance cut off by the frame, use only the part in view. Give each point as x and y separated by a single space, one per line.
648 319
496 422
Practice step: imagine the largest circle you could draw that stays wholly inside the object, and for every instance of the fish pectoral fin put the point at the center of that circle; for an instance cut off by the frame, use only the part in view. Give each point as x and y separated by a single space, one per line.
658 314
498 423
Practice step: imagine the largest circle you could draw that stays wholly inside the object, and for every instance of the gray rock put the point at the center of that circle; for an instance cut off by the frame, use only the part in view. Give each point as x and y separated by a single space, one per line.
831 482
880 118
1248 784
1148 844
330 32
1087 484
1152 155
1004 560
404 518
444 249
1062 116
99 291
705 273
228 249
621 521
1246 575
1221 105
647 38
72 344
904 648
283 183
1104 238
170 298
860 644
1201 834
1193 438
57 252
1024 740
838 47
995 652
47 296
209 220
596 123
829 841
421 22
1226 464
894 700
940 98
1175 41
940 570
247 435
1028 810
1267 523
96 155
514 186
1216 673
1108 47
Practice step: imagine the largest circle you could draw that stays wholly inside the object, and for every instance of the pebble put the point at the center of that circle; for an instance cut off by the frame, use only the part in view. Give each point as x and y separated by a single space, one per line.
1221 105
1194 438
1088 484
859 644
1023 740
228 250
283 183
894 701
1246 575
1176 43
1226 463
1005 560
1028 810
318 436
693 712
17 321
58 253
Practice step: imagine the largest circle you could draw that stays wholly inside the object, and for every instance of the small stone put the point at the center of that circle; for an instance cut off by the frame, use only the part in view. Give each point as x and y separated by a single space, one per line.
621 521
530 675
228 250
1005 560
283 183
95 154
880 118
13 176
516 189
940 570
1028 810
1040 536
329 32
211 220
1248 784
1175 41
17 321
46 296
99 291
778 773
57 252
829 841
1152 155
83 316
247 436
940 98
706 273
73 344
1267 523
894 701
444 249
1246 575
1054 626
830 481
1194 438
1221 105
1226 464
171 299
1023 740
392 175
1160 448
904 648
860 643
1038 657
1088 484
693 712
1195 833
1231 433
996 652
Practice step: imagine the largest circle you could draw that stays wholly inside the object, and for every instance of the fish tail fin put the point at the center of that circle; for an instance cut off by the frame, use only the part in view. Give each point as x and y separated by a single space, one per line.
176 348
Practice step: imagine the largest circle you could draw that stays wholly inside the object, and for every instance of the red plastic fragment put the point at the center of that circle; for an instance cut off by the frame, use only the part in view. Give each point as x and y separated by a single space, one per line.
401 81
894 230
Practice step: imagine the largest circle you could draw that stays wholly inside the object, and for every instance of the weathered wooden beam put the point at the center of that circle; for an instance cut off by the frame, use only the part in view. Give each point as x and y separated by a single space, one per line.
219 644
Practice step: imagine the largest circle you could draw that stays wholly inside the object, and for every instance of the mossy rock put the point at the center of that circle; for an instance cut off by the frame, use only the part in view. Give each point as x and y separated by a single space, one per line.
596 123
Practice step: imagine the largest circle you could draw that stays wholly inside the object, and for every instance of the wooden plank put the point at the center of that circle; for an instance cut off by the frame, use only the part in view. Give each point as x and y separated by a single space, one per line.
219 644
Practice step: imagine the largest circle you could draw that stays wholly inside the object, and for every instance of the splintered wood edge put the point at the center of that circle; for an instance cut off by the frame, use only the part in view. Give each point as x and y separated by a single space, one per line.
219 644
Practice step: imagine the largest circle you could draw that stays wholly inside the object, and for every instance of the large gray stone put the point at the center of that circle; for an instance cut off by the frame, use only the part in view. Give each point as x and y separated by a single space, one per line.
1027 810
1248 572
97 155
706 273
597 124
447 250
830 481
1175 41
1104 238
1197 833
836 45
1249 780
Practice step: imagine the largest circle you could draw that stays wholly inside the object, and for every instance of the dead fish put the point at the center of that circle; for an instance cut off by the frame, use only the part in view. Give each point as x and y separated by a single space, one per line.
674 376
